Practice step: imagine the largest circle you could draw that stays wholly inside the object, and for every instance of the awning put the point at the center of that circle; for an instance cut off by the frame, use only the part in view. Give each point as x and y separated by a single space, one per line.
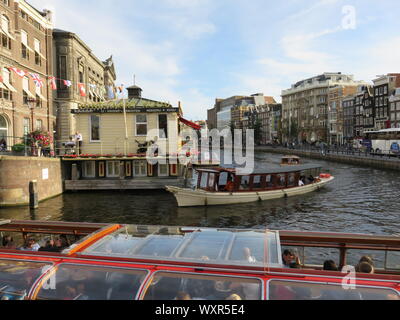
190 124
29 94
9 86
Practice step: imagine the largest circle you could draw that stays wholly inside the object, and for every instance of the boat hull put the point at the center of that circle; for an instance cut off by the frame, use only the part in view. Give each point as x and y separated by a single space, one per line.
195 198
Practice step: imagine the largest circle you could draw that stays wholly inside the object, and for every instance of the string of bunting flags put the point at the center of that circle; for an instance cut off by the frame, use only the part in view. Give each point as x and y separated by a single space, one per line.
52 81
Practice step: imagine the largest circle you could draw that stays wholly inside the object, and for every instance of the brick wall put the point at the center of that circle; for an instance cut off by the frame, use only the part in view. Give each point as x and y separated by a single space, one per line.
17 172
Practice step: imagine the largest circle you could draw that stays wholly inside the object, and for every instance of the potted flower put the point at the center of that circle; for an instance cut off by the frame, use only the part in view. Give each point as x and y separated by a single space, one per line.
39 140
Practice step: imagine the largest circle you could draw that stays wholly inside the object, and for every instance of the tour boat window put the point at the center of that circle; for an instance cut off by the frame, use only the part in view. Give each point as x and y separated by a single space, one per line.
17 278
291 179
281 180
157 246
378 257
393 260
208 244
257 182
211 181
113 245
269 181
89 169
79 282
245 183
204 180
175 286
296 290
223 179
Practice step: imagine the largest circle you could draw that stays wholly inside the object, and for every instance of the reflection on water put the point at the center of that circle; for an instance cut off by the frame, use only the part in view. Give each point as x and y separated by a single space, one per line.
360 200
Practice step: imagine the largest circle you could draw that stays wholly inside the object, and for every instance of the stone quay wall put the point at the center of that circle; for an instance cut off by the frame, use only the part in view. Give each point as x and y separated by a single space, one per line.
17 172
377 162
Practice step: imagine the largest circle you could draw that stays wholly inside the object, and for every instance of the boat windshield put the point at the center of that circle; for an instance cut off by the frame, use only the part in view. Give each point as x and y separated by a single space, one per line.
17 278
216 246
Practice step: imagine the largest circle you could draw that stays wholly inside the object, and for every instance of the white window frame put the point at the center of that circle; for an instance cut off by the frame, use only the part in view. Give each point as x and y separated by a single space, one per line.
114 174
85 169
159 170
137 123
142 165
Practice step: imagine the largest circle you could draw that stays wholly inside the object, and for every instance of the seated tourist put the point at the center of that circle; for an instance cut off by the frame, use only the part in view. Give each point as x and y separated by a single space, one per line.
8 243
30 245
183 296
365 267
291 260
49 247
330 265
248 257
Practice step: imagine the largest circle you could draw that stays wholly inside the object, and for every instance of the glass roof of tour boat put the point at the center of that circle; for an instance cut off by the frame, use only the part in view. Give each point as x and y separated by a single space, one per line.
203 245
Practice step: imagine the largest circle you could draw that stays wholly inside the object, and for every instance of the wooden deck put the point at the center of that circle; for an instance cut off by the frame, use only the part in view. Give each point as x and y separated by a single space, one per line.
135 184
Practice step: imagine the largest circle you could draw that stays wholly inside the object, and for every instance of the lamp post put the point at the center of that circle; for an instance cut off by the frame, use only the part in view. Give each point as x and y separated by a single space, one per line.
31 105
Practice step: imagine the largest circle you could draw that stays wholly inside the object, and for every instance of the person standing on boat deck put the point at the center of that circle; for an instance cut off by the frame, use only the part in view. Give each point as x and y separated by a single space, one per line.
79 140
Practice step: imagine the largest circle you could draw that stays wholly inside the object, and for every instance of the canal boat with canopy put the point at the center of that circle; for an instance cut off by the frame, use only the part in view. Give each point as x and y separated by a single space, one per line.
133 262
290 161
223 186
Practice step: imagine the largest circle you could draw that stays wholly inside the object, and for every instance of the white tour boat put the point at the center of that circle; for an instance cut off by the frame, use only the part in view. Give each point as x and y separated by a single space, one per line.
222 186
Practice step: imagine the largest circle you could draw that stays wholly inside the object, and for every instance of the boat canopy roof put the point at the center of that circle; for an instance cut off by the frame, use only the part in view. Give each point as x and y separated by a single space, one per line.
242 248
278 170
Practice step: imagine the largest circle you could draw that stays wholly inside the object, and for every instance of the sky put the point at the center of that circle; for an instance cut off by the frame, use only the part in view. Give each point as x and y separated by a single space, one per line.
195 51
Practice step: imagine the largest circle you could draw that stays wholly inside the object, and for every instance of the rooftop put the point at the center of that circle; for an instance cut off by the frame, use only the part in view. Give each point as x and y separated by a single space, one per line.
129 104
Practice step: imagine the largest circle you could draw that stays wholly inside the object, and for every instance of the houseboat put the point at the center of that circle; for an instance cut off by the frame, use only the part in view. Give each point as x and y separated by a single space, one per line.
221 186
132 262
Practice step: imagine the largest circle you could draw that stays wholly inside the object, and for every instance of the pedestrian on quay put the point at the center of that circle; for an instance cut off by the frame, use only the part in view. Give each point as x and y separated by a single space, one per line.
79 141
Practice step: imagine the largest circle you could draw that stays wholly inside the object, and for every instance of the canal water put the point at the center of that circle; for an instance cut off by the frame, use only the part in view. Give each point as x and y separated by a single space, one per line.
360 200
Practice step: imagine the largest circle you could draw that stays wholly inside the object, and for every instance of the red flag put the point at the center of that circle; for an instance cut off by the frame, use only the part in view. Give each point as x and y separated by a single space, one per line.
82 89
53 83
19 72
37 80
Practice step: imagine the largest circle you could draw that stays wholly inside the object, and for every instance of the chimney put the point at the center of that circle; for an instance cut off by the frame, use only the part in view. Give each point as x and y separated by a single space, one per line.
134 92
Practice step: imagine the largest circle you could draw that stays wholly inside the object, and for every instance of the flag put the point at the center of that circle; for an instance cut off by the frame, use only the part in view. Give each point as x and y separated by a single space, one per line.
82 89
19 72
36 79
67 83
53 83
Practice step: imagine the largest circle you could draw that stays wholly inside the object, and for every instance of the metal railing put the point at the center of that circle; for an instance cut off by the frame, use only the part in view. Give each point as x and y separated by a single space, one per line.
19 146
342 150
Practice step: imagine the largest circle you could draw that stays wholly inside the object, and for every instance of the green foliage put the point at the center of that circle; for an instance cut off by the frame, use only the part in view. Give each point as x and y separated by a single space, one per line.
18 147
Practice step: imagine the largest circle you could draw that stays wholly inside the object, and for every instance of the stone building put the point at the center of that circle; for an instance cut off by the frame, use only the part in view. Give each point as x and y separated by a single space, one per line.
26 45
74 61
335 111
305 107
394 102
383 87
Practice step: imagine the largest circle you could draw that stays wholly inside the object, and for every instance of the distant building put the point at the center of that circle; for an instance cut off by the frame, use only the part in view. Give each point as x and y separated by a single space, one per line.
394 102
26 45
305 109
364 111
75 62
383 87
348 118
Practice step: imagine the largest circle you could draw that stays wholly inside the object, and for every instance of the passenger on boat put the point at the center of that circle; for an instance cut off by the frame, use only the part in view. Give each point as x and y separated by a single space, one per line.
365 267
30 245
8 243
248 257
230 186
330 265
234 297
301 183
183 296
49 247
291 260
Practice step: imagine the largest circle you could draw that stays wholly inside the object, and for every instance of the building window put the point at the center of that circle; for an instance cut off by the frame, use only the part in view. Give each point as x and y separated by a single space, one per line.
89 169
39 125
140 168
3 128
163 170
24 45
113 169
163 126
141 125
38 55
94 128
6 36
26 126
